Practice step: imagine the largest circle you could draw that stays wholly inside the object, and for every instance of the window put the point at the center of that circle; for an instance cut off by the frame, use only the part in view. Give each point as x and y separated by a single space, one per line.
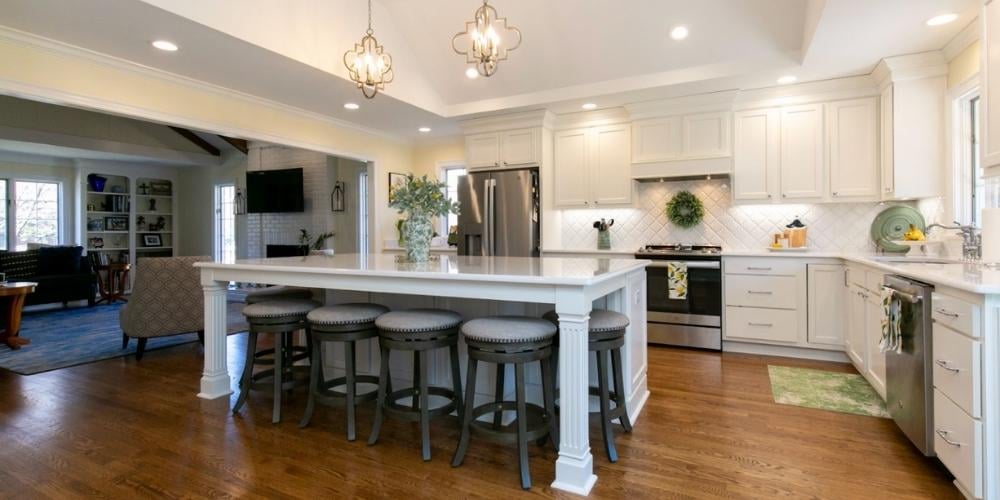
969 192
363 212
225 223
36 214
3 214
450 175
978 190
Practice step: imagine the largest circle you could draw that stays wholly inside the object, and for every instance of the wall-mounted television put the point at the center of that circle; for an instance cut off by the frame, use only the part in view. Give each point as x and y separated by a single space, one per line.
274 191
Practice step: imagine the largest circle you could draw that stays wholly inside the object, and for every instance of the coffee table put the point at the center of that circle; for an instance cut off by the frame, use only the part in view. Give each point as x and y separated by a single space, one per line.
12 296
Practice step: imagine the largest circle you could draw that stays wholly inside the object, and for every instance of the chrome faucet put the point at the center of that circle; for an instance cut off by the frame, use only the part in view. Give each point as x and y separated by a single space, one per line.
972 241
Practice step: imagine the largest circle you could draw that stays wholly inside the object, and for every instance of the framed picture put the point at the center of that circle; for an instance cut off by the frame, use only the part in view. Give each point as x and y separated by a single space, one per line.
115 223
395 180
95 224
159 188
95 242
151 240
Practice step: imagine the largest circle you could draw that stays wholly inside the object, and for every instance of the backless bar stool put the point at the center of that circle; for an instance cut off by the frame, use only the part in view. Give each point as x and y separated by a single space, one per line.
279 292
510 340
418 331
347 323
281 318
607 335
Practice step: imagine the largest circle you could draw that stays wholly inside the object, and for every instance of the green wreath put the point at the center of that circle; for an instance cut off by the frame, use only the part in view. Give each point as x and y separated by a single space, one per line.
685 209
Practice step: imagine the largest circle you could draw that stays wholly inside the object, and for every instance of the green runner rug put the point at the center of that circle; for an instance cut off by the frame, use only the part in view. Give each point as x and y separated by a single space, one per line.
823 390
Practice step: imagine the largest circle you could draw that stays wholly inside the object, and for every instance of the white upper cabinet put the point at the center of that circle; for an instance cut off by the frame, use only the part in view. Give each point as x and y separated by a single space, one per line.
755 154
509 148
852 141
885 139
683 137
801 152
592 167
482 150
990 88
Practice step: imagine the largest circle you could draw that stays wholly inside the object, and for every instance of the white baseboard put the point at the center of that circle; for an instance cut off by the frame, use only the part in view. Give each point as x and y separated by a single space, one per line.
784 351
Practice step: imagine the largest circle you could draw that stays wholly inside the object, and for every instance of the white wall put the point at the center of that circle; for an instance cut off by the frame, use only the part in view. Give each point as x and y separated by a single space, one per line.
196 210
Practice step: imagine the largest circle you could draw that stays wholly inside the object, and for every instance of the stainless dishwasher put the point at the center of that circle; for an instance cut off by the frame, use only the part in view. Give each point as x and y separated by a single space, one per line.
908 382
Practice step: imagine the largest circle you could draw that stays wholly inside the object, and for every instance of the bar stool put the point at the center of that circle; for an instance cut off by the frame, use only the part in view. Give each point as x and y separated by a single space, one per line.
510 340
418 331
347 323
276 293
606 335
281 318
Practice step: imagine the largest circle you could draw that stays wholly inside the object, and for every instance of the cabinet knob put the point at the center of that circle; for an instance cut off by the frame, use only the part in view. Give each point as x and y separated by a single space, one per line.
768 195
783 195
595 202
586 203
835 193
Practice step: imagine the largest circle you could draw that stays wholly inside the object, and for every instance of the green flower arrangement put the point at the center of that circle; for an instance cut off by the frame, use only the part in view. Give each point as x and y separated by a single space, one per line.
685 210
420 199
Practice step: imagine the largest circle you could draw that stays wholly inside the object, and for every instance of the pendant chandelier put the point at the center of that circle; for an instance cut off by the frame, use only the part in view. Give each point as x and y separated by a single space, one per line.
369 67
481 42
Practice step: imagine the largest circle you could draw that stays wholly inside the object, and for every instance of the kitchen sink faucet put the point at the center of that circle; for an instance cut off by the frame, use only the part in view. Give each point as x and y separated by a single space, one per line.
972 241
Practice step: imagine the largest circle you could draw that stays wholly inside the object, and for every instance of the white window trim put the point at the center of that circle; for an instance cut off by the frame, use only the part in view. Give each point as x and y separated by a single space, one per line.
12 207
959 131
443 167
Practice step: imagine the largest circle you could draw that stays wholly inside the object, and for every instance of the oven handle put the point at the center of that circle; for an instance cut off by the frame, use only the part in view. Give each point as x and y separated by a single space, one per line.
691 264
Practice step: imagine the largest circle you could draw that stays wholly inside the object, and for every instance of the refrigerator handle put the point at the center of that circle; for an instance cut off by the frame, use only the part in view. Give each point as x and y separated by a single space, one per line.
488 219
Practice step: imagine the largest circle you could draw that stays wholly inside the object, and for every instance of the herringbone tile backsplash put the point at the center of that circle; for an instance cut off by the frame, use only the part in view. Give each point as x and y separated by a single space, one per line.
840 227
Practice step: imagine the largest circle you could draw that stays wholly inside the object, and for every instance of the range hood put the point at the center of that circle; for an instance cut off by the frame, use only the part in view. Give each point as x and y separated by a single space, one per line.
683 169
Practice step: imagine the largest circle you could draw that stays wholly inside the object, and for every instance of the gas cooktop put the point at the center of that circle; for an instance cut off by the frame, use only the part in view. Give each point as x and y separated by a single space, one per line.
679 250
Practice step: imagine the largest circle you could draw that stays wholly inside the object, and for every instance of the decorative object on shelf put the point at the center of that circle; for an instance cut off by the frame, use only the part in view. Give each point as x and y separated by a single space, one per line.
152 240
95 242
91 207
395 181
892 224
337 197
118 189
115 223
143 188
96 183
603 235
420 199
795 232
95 224
685 210
307 240
239 202
152 204
160 188
367 64
140 223
159 225
453 236
482 44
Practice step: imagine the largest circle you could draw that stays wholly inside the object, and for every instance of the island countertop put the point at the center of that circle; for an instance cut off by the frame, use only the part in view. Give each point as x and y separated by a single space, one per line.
533 270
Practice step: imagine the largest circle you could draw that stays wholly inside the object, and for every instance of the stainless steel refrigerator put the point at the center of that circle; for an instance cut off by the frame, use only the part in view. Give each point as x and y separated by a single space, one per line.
499 213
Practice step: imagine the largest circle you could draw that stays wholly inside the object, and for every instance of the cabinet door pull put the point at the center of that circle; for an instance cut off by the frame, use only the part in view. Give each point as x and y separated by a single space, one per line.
752 268
759 292
835 193
944 435
944 364
768 325
946 312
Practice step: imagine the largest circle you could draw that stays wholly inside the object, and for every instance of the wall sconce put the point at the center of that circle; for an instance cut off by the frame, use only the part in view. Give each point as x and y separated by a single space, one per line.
337 197
239 202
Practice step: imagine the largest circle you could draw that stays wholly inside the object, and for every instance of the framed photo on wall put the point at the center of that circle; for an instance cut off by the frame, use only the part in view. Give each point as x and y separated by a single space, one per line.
395 180
116 223
151 240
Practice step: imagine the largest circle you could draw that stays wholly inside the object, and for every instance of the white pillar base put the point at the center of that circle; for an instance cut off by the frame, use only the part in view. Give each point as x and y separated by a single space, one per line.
215 387
575 475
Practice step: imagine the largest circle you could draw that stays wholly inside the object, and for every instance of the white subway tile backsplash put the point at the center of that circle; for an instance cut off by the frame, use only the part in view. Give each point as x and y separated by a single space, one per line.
832 226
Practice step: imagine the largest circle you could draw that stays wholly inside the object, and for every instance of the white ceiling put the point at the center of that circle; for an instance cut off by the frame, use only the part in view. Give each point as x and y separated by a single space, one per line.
606 51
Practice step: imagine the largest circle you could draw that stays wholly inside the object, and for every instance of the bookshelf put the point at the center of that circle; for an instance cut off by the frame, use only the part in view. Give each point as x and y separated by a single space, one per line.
108 222
154 218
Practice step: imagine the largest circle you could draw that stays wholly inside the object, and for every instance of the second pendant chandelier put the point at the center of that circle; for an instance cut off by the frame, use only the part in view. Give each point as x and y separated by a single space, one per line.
486 40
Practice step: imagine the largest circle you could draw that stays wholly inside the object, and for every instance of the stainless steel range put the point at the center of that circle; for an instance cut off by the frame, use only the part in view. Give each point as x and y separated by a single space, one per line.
693 321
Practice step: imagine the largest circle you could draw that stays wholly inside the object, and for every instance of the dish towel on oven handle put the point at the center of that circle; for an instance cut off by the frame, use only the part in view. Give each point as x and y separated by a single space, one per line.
677 280
892 337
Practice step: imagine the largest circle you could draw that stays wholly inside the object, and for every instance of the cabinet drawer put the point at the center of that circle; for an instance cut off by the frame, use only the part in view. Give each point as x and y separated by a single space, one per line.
958 442
856 275
765 266
873 281
957 314
957 369
761 291
772 325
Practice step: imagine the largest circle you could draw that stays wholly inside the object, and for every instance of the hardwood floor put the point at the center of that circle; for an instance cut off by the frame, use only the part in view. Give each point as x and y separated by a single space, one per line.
121 429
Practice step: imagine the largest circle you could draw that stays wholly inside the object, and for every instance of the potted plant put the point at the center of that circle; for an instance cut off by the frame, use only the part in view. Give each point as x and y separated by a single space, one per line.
313 245
420 199
603 235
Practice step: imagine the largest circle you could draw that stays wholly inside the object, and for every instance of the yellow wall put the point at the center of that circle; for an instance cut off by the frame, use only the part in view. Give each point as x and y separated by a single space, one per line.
426 157
964 65
65 77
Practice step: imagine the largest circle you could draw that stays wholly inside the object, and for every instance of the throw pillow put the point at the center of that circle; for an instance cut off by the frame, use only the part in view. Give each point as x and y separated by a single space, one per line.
20 265
59 260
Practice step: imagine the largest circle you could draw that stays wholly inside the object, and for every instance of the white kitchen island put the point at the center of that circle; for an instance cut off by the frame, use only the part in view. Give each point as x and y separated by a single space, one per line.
570 284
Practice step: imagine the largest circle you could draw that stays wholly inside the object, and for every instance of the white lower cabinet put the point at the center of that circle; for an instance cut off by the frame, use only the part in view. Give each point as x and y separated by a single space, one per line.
958 442
873 332
827 304
854 342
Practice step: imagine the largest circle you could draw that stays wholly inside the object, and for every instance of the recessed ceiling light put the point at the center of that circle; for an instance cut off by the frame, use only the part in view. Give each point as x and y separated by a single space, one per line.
424 130
785 80
589 106
165 45
471 73
351 105
942 19
679 32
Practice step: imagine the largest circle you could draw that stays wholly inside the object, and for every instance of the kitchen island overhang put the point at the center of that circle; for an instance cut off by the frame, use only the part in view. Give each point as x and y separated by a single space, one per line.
571 285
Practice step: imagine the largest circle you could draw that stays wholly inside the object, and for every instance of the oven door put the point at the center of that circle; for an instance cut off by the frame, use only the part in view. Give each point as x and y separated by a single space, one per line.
703 305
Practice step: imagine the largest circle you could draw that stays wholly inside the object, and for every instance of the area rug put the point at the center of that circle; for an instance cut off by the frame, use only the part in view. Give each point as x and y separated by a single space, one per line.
823 390
80 335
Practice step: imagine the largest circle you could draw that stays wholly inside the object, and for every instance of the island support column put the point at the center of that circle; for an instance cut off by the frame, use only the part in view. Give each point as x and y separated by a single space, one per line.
575 465
215 377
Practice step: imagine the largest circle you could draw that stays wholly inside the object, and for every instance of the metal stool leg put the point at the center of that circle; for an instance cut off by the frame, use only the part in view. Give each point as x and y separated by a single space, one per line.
350 389
548 395
380 400
602 384
470 397
425 418
616 369
522 426
498 393
415 401
247 377
279 368
315 373
456 380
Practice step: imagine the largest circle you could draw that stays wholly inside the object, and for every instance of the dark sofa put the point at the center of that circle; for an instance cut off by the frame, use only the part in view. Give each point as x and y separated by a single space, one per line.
63 274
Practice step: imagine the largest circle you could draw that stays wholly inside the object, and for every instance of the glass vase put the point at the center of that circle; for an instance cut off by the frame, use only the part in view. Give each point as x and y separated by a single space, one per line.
417 231
603 240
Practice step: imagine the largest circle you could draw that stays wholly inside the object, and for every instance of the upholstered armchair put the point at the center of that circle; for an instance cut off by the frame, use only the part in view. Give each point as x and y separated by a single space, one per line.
166 300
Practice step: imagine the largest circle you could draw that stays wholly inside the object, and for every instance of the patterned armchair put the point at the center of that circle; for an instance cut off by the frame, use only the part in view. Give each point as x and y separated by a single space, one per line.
166 300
